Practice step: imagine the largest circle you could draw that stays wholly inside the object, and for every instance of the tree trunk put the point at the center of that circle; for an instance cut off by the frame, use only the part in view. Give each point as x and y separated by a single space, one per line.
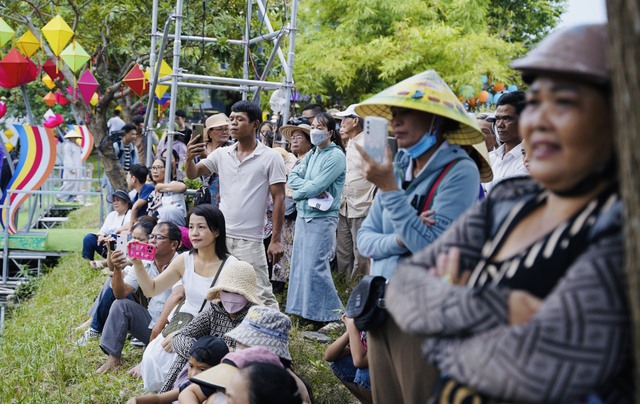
624 23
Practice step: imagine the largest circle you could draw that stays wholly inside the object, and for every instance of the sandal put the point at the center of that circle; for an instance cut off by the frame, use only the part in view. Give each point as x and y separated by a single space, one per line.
96 264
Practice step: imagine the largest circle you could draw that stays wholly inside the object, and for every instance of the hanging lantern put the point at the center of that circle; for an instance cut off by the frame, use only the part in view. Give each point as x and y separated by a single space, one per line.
48 82
52 70
6 32
87 84
49 99
28 44
3 109
165 70
95 98
16 70
75 56
136 81
60 98
58 34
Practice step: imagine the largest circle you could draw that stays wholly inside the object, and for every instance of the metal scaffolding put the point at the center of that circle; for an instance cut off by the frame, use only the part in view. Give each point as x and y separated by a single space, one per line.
245 85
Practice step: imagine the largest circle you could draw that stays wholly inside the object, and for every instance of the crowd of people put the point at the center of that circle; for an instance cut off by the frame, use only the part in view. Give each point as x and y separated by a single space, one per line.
499 235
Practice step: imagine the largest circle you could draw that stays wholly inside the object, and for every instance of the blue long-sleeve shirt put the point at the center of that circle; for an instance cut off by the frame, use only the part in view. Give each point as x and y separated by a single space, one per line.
393 217
319 171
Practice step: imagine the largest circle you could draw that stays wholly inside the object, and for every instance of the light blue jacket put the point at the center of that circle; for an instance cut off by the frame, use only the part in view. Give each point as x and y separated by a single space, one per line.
392 215
319 171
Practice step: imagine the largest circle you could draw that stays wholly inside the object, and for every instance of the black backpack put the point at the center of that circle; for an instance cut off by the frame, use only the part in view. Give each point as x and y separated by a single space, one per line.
366 303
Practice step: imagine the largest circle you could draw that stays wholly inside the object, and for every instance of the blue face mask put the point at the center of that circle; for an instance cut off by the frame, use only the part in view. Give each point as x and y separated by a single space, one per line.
425 143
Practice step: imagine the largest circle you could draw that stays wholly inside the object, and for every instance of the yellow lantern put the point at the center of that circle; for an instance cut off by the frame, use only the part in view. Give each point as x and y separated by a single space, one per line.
58 34
48 82
28 44
95 98
165 70
8 146
8 134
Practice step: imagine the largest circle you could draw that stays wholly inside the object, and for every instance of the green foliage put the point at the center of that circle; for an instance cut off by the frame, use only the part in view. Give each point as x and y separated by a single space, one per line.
526 21
348 51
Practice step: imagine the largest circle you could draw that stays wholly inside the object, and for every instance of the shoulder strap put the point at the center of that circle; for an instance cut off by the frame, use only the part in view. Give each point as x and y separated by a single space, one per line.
436 184
215 279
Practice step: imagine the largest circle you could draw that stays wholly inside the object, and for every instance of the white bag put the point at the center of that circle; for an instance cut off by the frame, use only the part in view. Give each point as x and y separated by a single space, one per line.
155 365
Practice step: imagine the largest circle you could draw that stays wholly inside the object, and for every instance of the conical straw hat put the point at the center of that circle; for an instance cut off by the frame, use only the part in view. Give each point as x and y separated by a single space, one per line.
427 92
480 155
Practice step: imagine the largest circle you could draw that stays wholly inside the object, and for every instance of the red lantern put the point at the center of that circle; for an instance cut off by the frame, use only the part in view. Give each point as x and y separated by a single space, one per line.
3 109
16 70
136 81
52 70
60 98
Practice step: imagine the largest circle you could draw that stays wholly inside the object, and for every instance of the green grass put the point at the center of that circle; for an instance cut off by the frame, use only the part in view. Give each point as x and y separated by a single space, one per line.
39 361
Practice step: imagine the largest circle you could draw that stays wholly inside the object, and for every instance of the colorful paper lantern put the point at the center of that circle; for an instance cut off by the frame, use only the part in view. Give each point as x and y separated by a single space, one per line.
136 81
165 70
95 98
48 82
499 86
60 98
512 88
28 44
16 70
3 109
6 32
52 70
53 121
87 84
58 34
49 99
75 56
483 96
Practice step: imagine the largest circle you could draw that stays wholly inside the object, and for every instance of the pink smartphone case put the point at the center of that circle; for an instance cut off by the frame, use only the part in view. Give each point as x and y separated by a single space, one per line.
141 251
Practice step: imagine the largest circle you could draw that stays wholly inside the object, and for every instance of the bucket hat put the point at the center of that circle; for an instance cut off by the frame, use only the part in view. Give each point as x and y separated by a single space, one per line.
220 375
577 52
236 277
265 327
426 92
120 194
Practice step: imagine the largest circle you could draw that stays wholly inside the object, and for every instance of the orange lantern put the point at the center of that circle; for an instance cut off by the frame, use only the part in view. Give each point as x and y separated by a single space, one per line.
471 102
499 86
49 99
483 96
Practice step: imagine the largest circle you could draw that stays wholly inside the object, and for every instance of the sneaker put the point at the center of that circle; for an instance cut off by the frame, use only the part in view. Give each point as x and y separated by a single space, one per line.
88 336
332 327
136 342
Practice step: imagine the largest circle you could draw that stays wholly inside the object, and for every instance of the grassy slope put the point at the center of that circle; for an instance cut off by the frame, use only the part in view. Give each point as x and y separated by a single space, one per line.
39 361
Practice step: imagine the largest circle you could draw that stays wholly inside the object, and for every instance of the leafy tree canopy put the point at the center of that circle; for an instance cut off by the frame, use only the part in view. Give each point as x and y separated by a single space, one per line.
350 50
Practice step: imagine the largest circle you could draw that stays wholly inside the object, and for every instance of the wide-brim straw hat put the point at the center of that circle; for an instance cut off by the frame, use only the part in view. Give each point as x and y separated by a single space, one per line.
265 327
72 134
216 121
427 92
480 155
236 277
287 130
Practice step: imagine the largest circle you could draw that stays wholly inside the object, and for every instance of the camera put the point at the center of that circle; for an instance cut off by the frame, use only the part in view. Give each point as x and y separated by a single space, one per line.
298 119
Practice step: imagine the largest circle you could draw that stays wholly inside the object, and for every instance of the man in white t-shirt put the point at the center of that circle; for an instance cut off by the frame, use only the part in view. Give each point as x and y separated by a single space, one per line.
506 161
249 173
115 123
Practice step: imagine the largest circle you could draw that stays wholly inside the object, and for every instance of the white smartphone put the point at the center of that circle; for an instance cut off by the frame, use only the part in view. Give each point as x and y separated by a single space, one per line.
376 130
121 243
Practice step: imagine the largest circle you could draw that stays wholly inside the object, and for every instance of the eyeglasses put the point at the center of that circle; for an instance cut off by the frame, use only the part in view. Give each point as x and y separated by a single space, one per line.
157 168
297 137
158 237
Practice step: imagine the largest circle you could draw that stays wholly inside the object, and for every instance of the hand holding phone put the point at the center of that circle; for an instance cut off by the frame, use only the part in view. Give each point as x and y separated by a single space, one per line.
198 130
141 251
375 137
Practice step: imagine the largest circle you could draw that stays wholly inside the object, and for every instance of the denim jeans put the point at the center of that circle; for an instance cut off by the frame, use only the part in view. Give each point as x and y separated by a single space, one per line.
344 370
104 305
90 247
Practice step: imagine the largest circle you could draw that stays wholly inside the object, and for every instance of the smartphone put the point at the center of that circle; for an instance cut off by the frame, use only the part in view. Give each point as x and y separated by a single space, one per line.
112 245
198 129
376 130
121 243
141 251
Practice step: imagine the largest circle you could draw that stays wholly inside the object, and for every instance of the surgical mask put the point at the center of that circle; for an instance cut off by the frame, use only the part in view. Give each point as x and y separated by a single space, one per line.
318 136
232 302
425 143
